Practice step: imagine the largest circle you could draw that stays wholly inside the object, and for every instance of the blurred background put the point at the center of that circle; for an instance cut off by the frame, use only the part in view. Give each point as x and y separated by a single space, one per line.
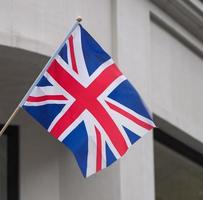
158 44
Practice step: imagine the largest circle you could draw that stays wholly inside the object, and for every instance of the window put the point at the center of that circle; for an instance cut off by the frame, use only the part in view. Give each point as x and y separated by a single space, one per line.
3 168
9 164
178 169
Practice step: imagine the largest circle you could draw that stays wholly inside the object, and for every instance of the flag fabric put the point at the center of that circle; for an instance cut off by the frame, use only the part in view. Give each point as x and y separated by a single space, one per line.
85 102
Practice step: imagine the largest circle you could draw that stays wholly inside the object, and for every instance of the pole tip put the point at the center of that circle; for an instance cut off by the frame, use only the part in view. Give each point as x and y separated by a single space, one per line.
79 19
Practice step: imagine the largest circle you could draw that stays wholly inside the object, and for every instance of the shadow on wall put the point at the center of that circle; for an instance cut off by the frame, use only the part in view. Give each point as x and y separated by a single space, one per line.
18 69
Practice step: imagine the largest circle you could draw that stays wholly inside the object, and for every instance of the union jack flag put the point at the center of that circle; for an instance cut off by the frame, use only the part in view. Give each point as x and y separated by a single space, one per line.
85 102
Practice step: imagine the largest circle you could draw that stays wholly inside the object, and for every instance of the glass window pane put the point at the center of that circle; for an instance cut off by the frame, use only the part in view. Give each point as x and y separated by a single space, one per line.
3 168
176 177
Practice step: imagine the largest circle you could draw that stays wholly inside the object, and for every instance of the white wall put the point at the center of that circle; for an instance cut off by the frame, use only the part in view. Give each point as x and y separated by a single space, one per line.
38 151
177 82
168 78
133 53
47 169
39 26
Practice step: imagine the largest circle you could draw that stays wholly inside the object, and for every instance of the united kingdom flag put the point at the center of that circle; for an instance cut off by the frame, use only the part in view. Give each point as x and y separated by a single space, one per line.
85 102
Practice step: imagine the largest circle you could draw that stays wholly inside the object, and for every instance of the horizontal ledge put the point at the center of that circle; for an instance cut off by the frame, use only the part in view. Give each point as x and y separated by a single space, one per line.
177 34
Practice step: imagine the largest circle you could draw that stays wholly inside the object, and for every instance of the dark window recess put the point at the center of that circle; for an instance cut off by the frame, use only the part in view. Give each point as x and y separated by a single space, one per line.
178 169
9 164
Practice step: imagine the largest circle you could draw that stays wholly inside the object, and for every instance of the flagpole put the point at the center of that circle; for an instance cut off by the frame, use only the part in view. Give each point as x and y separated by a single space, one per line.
78 20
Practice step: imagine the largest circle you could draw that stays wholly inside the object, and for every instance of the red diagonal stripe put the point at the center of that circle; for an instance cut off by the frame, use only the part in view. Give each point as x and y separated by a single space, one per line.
129 116
86 99
110 127
110 74
47 97
67 119
64 79
72 54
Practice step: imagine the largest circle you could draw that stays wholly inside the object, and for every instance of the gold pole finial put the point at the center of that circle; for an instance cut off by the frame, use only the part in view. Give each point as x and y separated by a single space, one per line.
79 19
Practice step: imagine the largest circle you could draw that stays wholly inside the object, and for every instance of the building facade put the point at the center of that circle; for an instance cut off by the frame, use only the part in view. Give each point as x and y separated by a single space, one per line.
158 46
